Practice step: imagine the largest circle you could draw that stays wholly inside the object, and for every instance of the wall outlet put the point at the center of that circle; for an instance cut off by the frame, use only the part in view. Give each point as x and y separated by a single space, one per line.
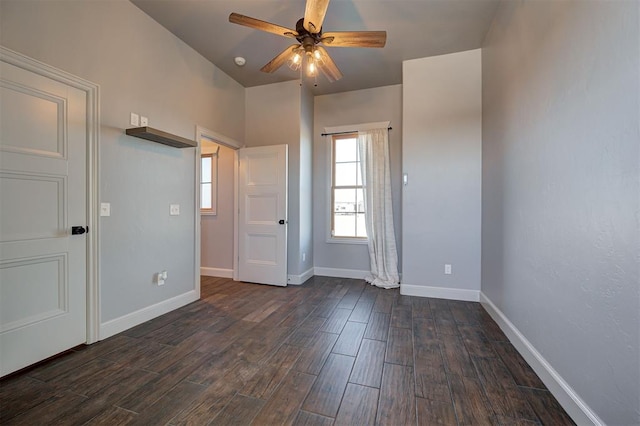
161 277
447 269
105 209
174 209
144 121
135 119
304 256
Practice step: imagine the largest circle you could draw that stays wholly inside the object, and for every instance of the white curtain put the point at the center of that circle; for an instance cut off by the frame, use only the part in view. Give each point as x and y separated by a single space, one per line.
373 146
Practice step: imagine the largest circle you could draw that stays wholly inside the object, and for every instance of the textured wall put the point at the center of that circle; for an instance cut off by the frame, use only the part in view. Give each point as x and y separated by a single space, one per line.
140 67
441 153
560 216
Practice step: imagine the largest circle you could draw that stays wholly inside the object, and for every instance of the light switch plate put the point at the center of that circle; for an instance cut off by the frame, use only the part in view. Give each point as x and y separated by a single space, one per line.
174 209
135 119
105 209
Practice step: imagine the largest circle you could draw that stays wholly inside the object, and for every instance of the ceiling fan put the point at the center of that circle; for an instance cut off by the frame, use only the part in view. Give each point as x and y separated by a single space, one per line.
310 39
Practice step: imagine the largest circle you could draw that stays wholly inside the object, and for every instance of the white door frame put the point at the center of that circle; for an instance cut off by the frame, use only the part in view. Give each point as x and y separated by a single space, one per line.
204 133
92 92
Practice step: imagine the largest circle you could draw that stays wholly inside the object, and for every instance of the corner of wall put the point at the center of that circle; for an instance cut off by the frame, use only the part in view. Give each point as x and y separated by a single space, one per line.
579 411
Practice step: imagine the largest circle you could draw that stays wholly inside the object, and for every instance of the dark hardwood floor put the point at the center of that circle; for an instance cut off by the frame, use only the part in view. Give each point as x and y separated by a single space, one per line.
332 351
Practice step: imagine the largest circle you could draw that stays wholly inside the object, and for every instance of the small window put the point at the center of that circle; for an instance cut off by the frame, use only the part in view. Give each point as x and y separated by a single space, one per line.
347 200
208 183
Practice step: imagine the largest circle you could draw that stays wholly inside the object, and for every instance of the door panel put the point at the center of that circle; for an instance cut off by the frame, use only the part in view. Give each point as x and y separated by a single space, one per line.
263 205
43 138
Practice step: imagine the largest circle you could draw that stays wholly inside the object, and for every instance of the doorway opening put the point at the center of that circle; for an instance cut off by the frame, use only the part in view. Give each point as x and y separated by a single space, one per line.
216 204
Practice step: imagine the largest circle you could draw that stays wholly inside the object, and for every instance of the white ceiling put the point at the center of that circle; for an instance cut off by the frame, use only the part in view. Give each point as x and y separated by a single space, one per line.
415 29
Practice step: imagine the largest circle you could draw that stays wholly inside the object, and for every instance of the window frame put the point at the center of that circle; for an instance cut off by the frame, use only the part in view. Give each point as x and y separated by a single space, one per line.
332 163
213 211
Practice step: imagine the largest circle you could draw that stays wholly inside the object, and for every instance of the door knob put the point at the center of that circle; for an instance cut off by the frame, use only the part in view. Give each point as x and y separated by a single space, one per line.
79 230
281 221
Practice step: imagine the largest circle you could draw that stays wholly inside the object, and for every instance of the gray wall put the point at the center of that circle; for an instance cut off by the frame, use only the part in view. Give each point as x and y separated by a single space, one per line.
442 157
274 117
306 181
140 67
359 106
216 241
560 252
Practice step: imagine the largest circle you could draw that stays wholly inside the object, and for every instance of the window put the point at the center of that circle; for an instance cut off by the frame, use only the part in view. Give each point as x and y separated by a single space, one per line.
208 183
347 201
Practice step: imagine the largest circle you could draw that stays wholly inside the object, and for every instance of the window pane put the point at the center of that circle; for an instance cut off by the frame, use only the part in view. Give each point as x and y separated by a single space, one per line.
346 150
361 227
346 174
206 170
359 201
344 225
205 196
344 200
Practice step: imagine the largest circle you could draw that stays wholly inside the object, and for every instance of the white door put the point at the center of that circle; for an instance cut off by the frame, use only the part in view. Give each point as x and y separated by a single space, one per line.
43 138
262 224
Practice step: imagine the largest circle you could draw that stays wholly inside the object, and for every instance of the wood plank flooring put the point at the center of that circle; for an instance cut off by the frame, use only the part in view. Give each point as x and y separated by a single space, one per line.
332 351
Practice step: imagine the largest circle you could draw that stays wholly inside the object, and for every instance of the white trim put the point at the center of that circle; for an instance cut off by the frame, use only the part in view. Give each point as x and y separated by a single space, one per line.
236 217
440 292
300 279
340 273
218 138
196 209
579 411
92 92
357 127
125 322
339 129
345 240
213 211
216 272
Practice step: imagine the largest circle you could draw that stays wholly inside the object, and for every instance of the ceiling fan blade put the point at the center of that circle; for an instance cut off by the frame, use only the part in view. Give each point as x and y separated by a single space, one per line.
247 21
355 38
314 14
326 74
279 60
327 66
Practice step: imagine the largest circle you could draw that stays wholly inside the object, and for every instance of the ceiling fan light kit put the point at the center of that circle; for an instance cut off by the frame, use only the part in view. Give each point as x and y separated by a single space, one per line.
309 52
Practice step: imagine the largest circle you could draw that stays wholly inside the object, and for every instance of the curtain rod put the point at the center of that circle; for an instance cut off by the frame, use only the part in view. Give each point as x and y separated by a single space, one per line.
345 133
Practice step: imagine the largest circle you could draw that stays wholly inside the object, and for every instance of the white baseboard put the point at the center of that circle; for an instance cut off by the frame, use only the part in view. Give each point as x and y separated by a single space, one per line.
216 272
566 396
440 292
300 279
125 322
340 273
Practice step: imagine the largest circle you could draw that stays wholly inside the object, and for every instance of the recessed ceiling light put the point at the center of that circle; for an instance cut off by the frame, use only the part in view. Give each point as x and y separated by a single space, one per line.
240 61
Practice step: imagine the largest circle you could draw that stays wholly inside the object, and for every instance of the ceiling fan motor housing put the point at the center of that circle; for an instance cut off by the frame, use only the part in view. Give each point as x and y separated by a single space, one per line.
307 39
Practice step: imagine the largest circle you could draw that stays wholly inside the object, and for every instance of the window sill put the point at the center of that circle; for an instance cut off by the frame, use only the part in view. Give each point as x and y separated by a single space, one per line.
355 241
207 213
